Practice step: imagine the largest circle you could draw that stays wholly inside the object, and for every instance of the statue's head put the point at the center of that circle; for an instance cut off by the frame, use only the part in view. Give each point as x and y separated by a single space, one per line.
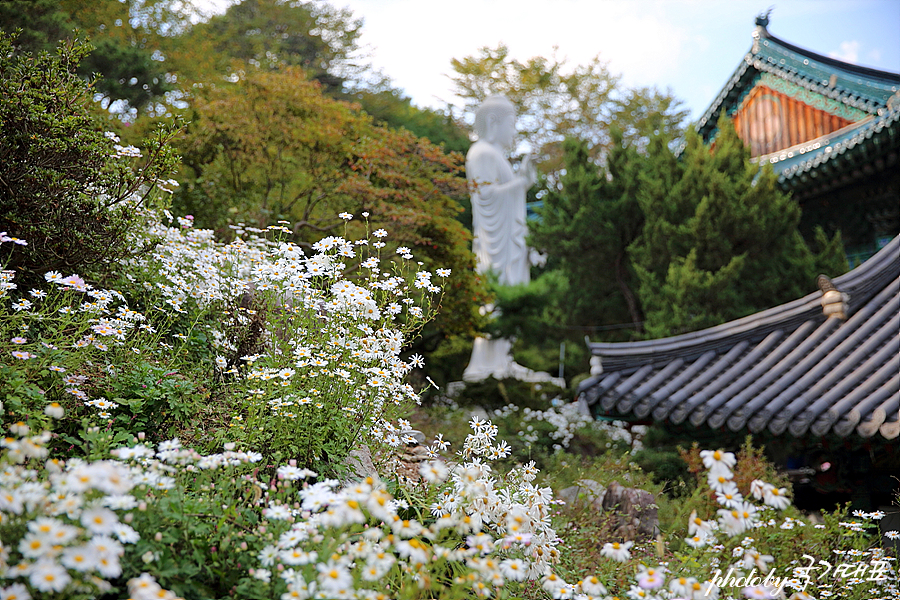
495 121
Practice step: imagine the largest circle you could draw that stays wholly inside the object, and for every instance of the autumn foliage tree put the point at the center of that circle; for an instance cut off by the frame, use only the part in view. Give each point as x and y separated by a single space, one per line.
272 147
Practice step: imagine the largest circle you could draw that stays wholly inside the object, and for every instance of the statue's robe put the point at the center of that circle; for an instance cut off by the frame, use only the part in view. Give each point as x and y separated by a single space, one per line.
498 215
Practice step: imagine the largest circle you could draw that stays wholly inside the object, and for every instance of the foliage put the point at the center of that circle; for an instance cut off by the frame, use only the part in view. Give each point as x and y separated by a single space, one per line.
126 72
322 371
494 394
69 189
151 515
533 315
554 102
721 241
131 39
274 148
586 223
668 469
271 35
391 108
447 360
96 371
671 244
40 27
550 102
585 228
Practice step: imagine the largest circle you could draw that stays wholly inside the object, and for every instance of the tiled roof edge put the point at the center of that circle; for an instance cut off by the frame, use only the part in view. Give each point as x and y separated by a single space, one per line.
887 76
707 122
841 147
860 284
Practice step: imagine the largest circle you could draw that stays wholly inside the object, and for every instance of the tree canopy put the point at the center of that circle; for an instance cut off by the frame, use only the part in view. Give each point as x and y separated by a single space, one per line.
554 101
675 243
273 147
721 241
270 35
125 36
66 186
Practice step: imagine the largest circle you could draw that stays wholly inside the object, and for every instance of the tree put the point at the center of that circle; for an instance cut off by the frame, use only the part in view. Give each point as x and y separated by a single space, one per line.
554 102
130 39
270 35
551 102
390 107
41 24
640 114
126 39
273 147
721 241
576 230
65 187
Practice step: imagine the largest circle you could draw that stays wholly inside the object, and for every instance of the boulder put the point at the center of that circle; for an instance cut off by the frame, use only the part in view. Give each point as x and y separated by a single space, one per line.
635 510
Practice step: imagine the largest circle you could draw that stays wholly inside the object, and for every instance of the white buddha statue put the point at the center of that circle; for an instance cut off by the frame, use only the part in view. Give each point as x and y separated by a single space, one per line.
498 194
498 218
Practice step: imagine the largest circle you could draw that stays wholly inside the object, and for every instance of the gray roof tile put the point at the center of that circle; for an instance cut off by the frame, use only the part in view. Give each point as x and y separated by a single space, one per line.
786 369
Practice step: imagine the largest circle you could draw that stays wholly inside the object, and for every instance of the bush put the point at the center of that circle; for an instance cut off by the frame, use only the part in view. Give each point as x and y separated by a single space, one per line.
69 189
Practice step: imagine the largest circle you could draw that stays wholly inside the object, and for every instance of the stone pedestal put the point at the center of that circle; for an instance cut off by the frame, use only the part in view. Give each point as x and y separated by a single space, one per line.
493 357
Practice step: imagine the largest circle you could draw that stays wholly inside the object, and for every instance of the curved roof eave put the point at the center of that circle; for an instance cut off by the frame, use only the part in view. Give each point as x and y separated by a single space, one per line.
869 91
860 283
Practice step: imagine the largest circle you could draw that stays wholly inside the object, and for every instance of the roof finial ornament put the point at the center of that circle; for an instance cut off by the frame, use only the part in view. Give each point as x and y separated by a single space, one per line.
834 303
762 21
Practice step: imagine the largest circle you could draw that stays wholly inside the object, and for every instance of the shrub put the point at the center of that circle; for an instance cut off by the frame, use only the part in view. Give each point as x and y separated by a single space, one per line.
69 189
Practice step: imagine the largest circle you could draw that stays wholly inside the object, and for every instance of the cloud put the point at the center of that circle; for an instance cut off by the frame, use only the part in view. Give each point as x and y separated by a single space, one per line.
847 52
418 39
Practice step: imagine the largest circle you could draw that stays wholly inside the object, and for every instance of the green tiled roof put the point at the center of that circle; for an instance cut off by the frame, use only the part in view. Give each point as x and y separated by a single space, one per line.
859 89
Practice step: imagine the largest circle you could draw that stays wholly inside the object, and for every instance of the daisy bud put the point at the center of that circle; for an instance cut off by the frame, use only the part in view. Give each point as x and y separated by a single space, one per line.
54 410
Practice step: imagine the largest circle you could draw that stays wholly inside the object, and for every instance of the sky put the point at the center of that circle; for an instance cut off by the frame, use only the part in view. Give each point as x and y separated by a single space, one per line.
690 47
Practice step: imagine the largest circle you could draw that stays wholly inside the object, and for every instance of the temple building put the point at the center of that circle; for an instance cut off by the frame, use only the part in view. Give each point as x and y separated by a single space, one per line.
829 129
817 380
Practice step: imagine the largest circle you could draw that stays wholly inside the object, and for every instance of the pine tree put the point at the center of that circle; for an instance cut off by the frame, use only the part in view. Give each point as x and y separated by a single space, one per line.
722 241
585 226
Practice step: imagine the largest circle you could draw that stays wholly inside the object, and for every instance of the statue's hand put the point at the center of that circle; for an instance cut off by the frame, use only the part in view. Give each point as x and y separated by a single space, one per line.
527 171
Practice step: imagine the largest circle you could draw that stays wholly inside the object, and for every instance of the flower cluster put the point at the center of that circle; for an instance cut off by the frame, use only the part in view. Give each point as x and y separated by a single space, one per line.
736 516
486 530
58 330
72 518
327 351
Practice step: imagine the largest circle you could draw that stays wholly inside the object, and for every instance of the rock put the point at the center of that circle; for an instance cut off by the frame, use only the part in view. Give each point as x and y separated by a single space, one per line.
360 464
635 510
477 411
588 492
455 388
415 454
418 435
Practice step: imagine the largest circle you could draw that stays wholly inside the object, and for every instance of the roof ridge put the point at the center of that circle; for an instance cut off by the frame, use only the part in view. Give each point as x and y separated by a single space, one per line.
889 76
